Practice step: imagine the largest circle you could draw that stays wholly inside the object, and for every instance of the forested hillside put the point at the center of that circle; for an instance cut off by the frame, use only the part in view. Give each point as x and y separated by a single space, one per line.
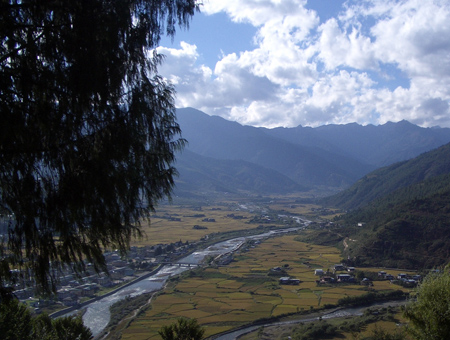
383 181
199 174
399 215
408 228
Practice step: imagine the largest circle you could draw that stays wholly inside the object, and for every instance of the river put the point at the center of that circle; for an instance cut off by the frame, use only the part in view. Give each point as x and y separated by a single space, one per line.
340 313
97 314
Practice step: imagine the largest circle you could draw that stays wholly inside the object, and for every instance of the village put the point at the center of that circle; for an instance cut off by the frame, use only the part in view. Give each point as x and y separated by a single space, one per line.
73 289
340 273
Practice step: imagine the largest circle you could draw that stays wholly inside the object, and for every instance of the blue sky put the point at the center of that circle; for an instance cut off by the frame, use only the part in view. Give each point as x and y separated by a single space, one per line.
295 62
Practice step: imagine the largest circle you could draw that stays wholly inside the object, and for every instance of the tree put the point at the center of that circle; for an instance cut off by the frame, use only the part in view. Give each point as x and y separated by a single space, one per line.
88 131
429 314
16 322
379 333
183 329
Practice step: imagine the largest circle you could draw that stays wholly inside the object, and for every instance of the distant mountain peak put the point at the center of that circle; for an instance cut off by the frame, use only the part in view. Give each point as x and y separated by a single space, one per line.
330 155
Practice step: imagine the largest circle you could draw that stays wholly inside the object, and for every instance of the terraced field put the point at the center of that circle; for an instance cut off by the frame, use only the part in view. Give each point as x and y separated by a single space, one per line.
222 298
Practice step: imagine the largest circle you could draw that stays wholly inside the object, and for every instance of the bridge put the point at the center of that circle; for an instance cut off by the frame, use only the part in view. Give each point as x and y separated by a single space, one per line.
179 264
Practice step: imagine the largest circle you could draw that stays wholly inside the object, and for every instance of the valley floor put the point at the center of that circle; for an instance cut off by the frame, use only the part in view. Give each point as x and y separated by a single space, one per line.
223 297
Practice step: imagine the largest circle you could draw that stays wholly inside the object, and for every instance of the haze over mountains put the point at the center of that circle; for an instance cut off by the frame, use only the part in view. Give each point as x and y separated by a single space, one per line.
224 156
394 180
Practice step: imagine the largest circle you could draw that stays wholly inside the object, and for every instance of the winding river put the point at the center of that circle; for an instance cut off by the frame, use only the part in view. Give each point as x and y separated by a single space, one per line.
97 314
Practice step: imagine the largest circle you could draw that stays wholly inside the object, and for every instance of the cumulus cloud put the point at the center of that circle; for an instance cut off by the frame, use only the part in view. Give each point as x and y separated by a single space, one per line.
304 71
338 48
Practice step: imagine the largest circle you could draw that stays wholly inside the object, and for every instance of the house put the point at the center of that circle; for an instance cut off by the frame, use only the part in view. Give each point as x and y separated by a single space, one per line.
319 272
77 292
104 281
90 290
74 283
129 271
288 281
119 263
277 271
389 277
410 283
70 301
23 294
326 279
351 269
117 273
226 259
344 277
64 293
338 267
366 282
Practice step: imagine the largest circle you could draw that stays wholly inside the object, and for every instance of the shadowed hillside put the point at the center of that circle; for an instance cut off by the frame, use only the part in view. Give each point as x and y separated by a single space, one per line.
401 215
388 179
331 156
215 137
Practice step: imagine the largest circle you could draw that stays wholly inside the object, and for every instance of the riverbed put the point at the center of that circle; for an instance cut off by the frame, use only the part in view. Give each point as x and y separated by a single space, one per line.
97 314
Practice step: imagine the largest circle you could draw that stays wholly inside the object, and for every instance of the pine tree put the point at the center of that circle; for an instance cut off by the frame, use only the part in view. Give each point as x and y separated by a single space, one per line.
88 131
183 329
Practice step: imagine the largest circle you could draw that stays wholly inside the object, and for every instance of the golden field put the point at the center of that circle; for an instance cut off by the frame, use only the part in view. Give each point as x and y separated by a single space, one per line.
162 230
222 298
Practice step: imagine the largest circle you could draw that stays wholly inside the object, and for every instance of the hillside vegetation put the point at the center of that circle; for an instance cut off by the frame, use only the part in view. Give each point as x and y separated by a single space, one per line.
401 216
205 174
406 229
384 181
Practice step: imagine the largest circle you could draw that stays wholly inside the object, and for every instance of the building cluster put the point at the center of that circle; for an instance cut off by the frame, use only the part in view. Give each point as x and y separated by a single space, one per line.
287 280
72 288
340 273
404 279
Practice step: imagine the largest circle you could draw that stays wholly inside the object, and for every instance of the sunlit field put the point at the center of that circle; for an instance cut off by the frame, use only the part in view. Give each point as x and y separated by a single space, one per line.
222 298
365 331
164 230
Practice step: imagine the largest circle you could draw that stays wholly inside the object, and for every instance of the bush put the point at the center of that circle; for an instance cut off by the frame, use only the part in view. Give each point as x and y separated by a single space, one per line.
314 330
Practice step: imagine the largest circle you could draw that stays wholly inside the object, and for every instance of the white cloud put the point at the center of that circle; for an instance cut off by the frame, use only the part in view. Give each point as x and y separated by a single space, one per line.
227 86
414 35
337 48
302 72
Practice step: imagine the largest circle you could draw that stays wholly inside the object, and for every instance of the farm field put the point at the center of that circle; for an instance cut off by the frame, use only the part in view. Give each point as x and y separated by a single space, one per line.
175 222
172 223
391 321
222 298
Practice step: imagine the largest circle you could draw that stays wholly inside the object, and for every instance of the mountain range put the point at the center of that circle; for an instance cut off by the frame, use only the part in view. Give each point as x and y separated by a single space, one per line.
225 156
393 181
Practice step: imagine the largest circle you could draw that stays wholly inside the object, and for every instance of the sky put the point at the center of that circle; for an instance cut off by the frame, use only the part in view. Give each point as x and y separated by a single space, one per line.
272 63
